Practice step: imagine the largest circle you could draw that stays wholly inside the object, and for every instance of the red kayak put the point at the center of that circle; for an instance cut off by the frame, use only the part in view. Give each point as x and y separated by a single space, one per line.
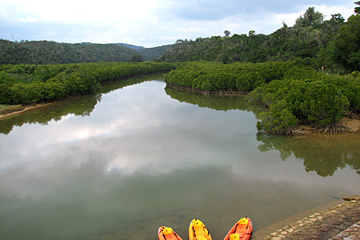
166 233
242 230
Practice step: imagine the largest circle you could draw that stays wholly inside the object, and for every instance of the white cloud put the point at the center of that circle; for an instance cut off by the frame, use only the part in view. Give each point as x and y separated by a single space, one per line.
345 11
29 19
81 10
150 22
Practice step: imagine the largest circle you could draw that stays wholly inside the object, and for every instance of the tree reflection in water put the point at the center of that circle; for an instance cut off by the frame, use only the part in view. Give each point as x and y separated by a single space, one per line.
79 105
323 154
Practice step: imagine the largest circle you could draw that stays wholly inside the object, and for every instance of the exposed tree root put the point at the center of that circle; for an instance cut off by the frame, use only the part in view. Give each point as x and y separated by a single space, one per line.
333 128
296 131
353 116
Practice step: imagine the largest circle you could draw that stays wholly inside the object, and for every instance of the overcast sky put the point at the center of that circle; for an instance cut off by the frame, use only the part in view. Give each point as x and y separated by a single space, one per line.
151 23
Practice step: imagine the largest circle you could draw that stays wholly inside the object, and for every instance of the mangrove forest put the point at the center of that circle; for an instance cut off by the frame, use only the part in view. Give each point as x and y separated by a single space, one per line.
293 93
25 84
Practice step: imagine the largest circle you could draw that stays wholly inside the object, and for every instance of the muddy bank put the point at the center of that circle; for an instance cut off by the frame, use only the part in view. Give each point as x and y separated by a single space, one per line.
18 110
353 124
346 124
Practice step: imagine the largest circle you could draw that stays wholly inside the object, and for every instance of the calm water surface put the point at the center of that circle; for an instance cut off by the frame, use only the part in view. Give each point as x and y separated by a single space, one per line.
138 156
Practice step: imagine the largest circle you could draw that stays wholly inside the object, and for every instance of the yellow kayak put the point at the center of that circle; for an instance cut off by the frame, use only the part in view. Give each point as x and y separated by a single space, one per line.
198 231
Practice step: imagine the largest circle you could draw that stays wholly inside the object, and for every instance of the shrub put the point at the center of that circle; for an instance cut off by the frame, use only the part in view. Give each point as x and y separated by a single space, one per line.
278 119
324 103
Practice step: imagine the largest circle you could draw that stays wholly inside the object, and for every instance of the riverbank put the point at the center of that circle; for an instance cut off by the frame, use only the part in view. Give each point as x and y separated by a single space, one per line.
292 92
353 124
345 125
9 110
12 110
208 92
5 109
337 220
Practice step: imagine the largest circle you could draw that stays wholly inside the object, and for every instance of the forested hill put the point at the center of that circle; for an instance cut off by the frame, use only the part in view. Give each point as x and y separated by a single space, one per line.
50 52
311 39
149 54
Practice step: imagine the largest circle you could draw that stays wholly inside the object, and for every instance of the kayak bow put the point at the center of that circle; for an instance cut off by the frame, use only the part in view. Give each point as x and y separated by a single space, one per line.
166 233
242 230
198 231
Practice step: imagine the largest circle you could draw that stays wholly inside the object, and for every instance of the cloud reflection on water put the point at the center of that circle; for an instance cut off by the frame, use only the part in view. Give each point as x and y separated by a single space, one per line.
124 135
132 135
142 157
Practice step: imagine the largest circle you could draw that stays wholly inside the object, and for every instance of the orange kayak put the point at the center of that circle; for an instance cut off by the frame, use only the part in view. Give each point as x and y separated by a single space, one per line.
242 230
198 231
166 233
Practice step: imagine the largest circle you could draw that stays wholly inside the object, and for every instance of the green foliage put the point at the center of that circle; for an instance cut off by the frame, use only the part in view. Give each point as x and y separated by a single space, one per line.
323 103
30 83
311 41
277 119
136 58
352 91
322 100
350 88
310 18
152 54
347 44
292 92
49 52
249 81
357 9
235 76
220 49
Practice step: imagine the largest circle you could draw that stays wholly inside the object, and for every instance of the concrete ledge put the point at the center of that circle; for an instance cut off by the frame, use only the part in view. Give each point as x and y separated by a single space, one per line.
328 219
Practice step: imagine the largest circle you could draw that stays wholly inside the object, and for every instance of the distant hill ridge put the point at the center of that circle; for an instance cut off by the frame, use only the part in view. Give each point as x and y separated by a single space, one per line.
135 47
311 39
51 52
130 46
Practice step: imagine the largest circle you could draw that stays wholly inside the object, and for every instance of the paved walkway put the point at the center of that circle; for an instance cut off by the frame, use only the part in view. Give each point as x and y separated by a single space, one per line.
340 222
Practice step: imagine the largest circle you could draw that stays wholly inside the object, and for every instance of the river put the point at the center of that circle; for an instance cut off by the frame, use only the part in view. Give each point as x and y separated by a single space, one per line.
121 163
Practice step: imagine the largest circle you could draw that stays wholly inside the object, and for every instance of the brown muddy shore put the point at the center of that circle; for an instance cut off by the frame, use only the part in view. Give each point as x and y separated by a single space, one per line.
18 110
7 111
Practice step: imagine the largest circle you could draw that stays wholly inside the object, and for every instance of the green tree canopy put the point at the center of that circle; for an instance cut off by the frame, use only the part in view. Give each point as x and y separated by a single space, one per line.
251 32
357 9
136 58
227 33
347 44
311 18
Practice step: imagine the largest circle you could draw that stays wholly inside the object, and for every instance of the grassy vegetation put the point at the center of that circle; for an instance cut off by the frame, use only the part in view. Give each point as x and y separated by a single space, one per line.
24 84
4 109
